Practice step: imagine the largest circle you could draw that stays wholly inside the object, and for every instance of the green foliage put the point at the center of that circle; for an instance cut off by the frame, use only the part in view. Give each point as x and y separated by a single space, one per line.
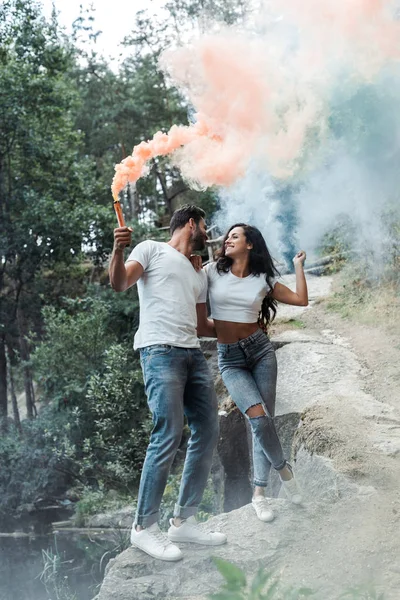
72 348
92 502
171 493
115 405
391 245
54 577
263 587
66 117
294 323
100 384
374 260
33 465
48 211
96 424
44 181
338 242
102 442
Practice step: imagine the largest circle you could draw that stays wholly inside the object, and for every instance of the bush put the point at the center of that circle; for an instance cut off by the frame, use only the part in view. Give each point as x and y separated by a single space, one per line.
170 497
73 347
95 424
34 465
116 407
94 502
338 242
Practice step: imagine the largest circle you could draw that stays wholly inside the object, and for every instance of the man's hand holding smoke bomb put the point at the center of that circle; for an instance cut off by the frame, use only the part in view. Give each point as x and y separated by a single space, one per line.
122 237
300 258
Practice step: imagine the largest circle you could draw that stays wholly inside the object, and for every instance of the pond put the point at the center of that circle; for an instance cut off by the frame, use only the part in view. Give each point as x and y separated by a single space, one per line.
65 565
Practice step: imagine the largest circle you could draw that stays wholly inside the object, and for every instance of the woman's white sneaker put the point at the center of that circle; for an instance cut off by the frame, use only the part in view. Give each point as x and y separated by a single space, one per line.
189 531
155 543
291 488
263 511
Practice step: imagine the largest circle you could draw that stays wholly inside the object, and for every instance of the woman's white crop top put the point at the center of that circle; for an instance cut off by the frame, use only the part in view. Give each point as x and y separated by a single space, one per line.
235 299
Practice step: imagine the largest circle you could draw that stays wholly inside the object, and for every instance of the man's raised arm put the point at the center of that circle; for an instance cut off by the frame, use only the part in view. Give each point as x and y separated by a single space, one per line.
123 276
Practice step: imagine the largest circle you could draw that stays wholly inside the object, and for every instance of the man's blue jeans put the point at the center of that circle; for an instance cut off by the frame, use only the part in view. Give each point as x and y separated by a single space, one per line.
177 382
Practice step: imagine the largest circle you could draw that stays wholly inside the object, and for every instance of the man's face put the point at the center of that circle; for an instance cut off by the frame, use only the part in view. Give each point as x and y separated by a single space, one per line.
199 236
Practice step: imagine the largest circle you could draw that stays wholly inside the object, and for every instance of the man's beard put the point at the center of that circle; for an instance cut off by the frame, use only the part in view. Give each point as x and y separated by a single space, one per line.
198 241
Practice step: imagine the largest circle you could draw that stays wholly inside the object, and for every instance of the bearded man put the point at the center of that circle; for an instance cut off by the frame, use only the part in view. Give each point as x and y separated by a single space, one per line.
176 376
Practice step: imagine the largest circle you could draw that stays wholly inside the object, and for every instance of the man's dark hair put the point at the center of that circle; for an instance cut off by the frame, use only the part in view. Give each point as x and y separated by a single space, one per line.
182 215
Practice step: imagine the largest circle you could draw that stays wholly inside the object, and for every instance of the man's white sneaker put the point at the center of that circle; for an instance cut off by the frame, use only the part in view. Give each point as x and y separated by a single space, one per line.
189 531
291 488
155 543
263 511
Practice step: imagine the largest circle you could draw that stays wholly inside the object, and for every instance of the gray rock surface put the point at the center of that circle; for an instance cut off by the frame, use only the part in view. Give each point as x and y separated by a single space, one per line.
347 446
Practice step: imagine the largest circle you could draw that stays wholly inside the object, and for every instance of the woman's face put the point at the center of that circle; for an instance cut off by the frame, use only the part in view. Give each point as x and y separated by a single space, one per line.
236 244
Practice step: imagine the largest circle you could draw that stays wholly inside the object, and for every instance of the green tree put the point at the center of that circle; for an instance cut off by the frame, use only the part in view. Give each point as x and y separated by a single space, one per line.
47 201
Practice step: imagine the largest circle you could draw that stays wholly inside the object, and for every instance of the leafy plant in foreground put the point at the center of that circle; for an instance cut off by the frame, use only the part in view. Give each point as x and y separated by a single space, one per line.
266 586
263 587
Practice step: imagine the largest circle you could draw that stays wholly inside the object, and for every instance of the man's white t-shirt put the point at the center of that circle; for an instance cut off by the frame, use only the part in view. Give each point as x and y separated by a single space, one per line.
169 290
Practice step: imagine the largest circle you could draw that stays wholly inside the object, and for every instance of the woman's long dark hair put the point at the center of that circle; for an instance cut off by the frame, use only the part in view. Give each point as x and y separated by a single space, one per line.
260 263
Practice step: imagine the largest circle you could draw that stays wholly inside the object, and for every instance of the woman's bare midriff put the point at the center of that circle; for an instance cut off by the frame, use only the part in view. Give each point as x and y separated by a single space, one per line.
229 333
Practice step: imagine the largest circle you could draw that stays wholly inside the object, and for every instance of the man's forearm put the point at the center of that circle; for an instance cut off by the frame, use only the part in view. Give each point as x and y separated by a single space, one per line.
117 270
207 329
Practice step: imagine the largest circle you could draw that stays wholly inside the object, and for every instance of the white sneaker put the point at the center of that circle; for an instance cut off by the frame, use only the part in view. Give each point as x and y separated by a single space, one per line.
263 511
291 488
189 531
155 543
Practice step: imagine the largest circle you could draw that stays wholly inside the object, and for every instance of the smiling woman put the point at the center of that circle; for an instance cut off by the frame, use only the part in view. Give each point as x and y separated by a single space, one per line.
243 292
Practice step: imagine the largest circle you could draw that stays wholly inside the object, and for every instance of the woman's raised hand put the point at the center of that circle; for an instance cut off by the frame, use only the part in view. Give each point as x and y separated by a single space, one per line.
196 261
299 258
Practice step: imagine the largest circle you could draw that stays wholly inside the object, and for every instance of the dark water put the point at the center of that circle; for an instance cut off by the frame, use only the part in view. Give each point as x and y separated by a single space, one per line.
60 566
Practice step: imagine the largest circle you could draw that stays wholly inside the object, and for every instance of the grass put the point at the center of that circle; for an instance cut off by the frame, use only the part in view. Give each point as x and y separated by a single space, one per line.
369 302
285 324
54 577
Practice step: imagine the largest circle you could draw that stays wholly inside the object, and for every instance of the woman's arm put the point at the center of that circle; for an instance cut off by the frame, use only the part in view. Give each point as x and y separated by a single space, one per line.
205 326
300 297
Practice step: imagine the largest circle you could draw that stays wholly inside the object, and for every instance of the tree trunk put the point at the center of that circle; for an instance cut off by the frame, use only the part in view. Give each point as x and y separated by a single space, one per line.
3 385
25 356
133 201
161 178
17 419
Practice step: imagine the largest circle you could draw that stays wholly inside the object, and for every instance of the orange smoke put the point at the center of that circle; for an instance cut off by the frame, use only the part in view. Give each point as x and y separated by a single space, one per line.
265 98
133 167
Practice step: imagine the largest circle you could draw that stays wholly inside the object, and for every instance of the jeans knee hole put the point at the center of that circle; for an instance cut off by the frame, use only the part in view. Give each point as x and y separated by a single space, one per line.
261 414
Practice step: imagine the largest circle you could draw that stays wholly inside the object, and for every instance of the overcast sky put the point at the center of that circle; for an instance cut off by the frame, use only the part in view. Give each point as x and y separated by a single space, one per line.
115 18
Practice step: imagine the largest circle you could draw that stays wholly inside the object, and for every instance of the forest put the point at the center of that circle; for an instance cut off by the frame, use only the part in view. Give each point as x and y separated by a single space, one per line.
73 413
72 406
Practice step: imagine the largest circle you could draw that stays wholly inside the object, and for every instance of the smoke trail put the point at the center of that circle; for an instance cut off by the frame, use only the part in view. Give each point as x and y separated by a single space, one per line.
246 108
296 112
